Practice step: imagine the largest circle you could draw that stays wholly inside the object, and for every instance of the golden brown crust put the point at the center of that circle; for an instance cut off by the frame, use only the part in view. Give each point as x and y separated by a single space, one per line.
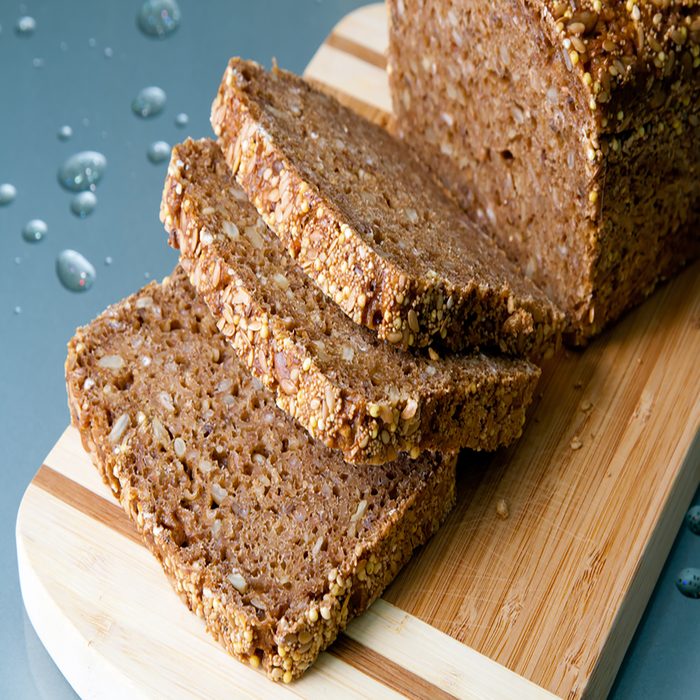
268 536
347 388
614 47
571 129
369 232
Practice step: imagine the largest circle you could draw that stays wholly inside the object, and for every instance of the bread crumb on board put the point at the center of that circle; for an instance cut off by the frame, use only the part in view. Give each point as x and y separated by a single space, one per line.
502 509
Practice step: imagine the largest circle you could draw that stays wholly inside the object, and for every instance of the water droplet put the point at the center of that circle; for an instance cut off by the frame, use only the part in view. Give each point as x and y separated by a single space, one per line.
82 171
108 52
688 582
158 152
92 42
83 204
64 133
74 271
17 310
25 26
108 260
63 46
38 62
85 121
35 231
146 275
8 193
159 18
18 260
692 519
149 102
182 119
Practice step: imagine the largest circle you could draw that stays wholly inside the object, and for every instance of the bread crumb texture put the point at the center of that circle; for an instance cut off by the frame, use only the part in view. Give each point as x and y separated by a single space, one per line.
570 129
268 535
346 386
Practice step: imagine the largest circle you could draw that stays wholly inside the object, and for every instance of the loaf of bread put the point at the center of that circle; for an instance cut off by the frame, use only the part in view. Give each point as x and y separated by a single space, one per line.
349 389
571 128
366 221
265 533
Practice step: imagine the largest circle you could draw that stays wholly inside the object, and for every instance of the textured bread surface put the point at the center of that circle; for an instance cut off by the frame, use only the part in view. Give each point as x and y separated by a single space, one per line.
347 387
366 221
571 129
265 533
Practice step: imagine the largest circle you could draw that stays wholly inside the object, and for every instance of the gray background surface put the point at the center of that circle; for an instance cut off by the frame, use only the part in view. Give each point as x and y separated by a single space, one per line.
81 87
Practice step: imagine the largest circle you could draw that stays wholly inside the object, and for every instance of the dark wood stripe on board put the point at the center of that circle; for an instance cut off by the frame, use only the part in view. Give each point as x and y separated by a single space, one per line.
86 501
364 53
387 672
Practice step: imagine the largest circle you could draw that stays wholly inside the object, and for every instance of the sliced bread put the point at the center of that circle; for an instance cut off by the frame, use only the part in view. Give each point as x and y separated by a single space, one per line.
365 220
266 534
349 389
571 128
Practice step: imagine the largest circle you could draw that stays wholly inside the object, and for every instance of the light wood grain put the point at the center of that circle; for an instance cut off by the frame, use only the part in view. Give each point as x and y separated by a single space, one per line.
547 598
104 610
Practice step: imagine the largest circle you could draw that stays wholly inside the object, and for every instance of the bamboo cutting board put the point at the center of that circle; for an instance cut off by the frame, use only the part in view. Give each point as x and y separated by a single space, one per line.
532 589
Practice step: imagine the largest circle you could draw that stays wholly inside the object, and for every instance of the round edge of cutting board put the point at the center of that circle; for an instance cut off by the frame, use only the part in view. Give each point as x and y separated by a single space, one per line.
84 668
390 640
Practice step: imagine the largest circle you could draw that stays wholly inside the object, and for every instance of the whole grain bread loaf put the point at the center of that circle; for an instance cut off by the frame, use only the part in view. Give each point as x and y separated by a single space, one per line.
366 221
349 389
266 534
571 128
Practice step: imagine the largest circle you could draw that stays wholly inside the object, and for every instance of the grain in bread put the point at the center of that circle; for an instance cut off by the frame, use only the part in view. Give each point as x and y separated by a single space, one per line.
571 128
266 534
366 221
349 389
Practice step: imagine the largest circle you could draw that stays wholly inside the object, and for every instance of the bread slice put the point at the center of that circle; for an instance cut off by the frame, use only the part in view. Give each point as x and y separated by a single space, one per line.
349 389
366 221
266 534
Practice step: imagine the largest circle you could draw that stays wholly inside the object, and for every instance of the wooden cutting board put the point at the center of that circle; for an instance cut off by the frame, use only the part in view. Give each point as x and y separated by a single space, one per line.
532 589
